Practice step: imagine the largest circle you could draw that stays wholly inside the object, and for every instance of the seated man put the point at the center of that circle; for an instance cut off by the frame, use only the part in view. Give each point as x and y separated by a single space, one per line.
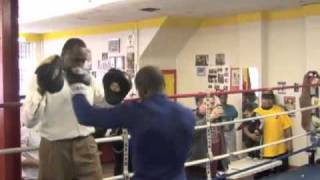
161 130
274 129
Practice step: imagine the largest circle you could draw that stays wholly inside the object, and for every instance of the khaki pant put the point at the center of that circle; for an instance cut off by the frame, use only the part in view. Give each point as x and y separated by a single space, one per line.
72 159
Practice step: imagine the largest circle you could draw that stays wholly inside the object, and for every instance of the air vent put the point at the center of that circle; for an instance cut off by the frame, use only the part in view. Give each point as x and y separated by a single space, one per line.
149 9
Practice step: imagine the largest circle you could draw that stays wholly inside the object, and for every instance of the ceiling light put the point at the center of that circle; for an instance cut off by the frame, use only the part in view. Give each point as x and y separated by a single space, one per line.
149 9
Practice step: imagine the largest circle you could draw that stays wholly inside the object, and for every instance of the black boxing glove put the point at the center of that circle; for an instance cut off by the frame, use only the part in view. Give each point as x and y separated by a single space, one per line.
116 85
79 79
50 75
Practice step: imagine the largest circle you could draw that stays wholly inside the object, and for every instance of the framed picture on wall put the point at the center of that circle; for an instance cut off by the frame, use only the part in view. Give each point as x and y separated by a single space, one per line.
235 79
114 45
220 59
103 65
202 60
201 71
119 62
112 62
104 56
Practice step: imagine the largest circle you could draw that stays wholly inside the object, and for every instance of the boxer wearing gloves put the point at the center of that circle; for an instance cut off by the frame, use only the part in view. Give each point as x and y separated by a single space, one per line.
116 86
67 149
161 130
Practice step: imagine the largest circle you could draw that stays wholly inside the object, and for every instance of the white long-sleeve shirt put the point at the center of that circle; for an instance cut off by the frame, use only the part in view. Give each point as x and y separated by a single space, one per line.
55 114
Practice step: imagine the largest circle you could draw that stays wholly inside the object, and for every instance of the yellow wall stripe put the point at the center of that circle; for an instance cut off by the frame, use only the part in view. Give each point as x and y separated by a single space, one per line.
311 10
287 14
187 22
103 29
250 17
31 37
219 21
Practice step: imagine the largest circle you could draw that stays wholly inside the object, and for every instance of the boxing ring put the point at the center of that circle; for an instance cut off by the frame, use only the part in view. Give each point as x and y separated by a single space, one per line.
238 169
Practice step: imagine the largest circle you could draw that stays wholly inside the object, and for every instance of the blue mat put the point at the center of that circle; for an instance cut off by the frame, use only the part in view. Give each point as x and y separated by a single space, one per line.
305 172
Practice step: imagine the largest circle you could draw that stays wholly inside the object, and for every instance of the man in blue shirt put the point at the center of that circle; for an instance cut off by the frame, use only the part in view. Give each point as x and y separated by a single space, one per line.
161 129
230 113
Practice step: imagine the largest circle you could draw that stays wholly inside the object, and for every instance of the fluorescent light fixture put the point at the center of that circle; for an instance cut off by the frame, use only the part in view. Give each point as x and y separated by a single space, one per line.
36 10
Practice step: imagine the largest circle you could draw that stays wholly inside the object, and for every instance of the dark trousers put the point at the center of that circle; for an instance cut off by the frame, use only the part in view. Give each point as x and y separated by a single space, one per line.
118 163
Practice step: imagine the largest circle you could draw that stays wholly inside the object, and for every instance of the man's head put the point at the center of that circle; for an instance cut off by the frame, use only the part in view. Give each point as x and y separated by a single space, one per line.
248 111
199 100
267 100
75 53
223 99
149 81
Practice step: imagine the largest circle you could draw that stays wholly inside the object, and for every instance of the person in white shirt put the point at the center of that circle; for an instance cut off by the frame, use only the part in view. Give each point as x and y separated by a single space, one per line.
67 149
30 160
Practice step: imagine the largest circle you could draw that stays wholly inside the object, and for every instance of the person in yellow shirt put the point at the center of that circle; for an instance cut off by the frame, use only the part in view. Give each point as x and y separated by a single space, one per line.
274 129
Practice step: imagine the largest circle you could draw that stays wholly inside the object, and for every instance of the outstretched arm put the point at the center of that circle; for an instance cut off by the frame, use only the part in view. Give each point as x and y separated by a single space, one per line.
100 117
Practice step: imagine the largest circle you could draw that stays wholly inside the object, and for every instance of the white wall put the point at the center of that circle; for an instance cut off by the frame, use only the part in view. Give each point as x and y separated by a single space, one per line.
312 27
209 41
286 59
165 46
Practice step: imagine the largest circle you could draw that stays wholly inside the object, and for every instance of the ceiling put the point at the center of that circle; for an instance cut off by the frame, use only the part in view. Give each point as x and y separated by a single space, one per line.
117 11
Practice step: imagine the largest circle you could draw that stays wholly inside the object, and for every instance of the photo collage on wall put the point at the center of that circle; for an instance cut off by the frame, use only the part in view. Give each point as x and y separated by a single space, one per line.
216 71
111 58
219 78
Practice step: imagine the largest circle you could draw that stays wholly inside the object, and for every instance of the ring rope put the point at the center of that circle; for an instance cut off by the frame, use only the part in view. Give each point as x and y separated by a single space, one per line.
119 138
256 118
266 162
223 156
201 94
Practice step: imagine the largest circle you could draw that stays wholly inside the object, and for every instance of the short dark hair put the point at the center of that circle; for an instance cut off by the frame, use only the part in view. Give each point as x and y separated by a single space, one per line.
268 94
149 80
72 42
249 107
198 99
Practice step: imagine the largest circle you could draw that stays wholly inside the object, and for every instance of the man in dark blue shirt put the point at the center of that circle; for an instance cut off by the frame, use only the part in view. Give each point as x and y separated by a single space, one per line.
161 129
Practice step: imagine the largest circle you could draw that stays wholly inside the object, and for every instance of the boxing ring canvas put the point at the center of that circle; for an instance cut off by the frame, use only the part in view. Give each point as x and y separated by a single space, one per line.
249 162
308 172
